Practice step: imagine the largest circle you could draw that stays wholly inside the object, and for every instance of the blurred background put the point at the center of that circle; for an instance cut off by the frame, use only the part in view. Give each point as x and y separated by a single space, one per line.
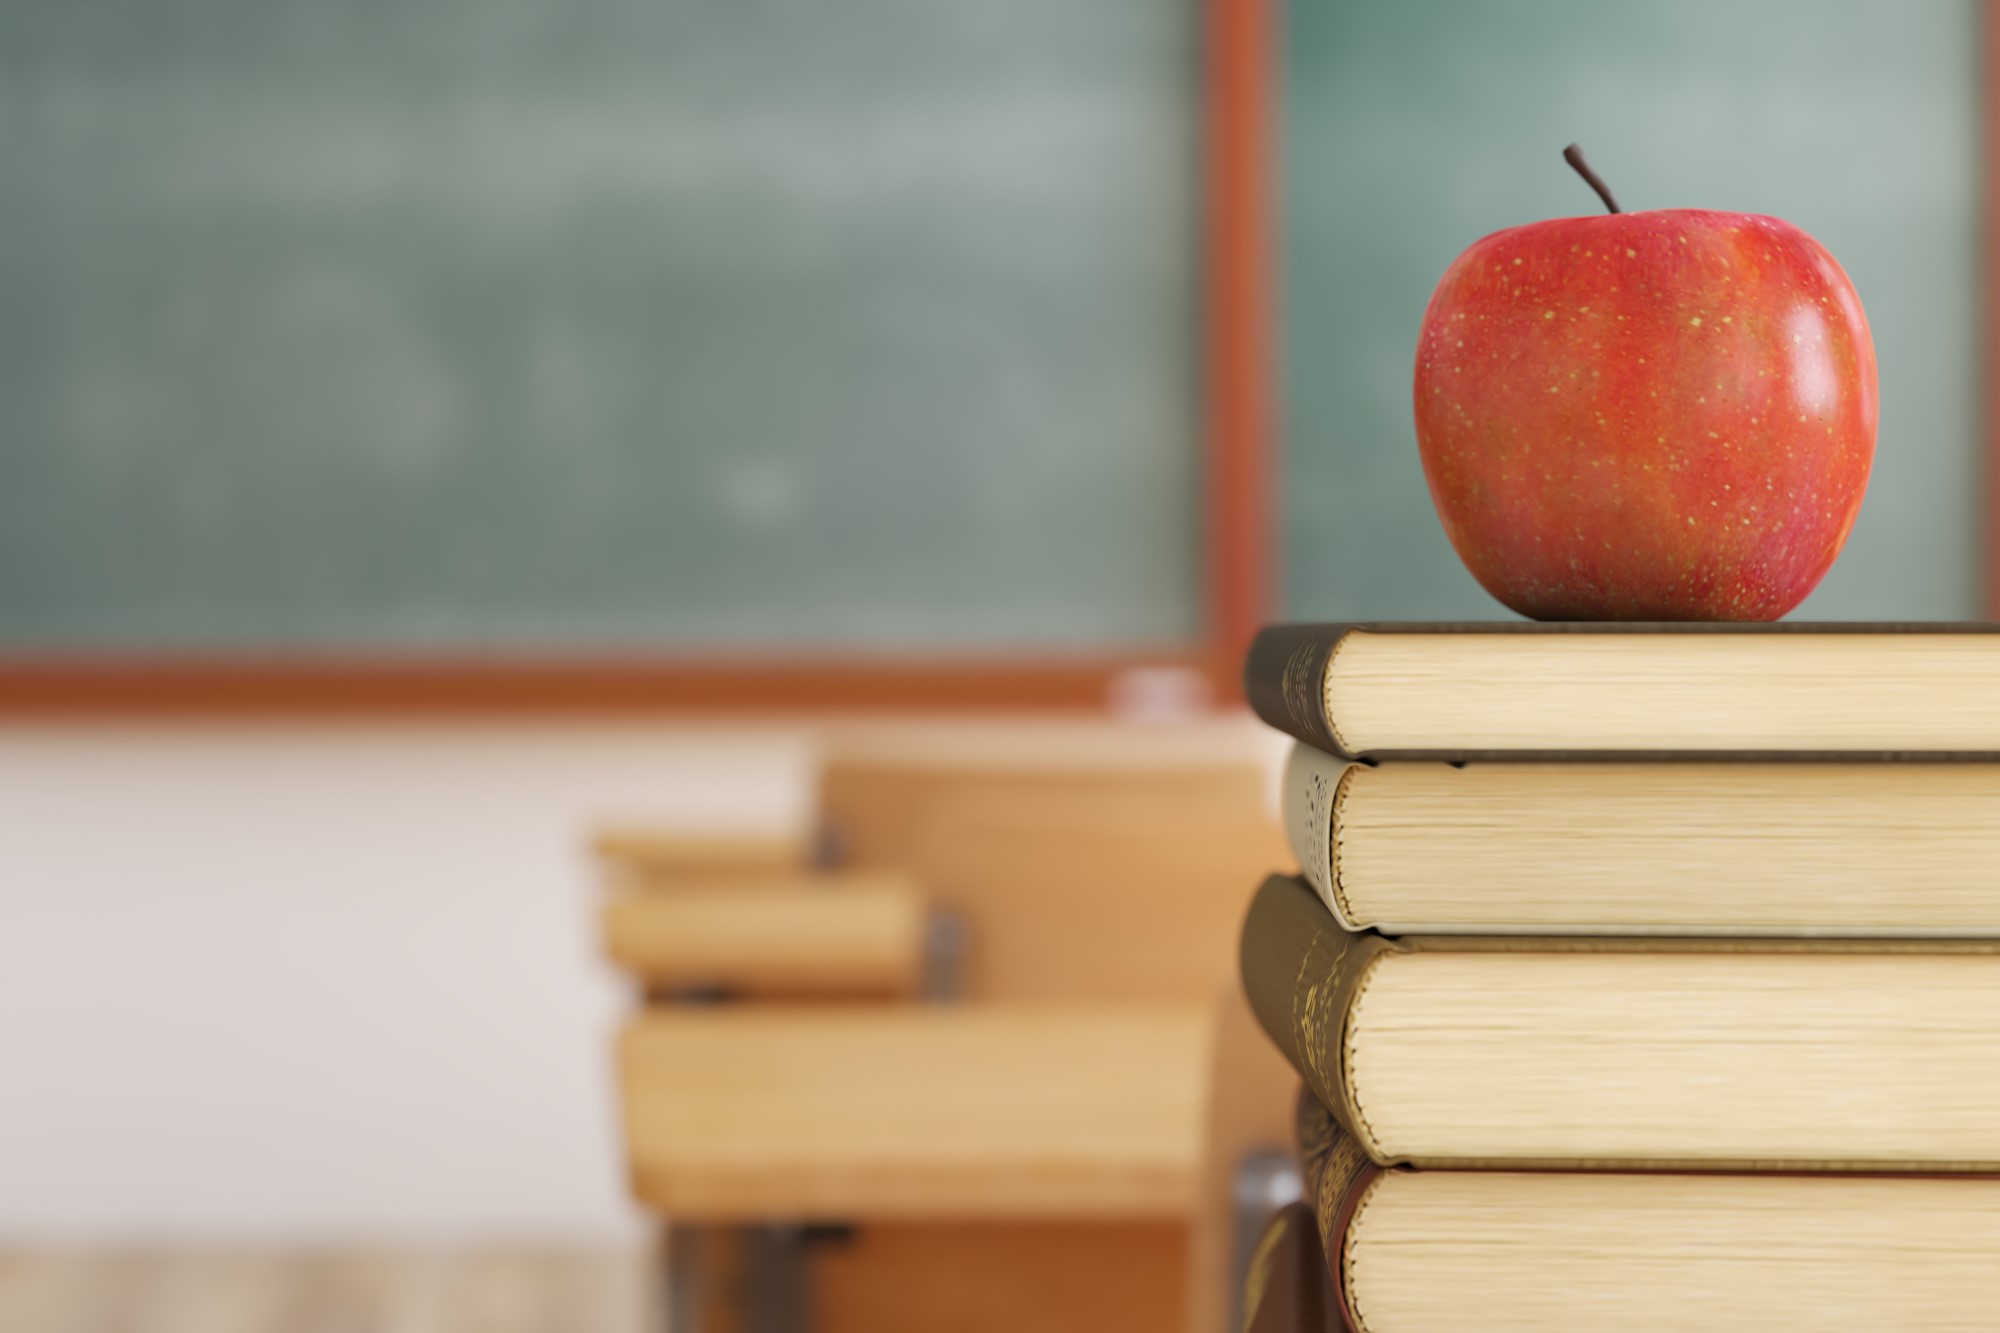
468 467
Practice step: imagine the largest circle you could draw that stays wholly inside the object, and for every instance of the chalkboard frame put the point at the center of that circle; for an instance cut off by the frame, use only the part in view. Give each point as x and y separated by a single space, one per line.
1239 535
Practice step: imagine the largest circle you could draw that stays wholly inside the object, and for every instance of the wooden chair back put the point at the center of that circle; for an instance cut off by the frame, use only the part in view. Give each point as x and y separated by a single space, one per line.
881 812
1088 878
1086 903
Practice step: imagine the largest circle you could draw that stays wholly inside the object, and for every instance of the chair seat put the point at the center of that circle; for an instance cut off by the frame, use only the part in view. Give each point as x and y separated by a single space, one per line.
979 1111
833 933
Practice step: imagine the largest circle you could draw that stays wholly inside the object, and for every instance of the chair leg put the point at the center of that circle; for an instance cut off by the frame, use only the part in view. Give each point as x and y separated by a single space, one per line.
750 1279
947 941
682 1303
774 1280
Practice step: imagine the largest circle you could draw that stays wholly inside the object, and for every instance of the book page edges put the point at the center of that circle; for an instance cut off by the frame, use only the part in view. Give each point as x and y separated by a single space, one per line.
1284 654
1317 787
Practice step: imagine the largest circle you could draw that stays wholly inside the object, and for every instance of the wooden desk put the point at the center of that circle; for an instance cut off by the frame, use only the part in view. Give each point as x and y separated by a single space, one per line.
984 1111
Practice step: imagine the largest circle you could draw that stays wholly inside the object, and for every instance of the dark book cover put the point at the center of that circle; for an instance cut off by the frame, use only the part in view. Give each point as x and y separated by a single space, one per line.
1288 1289
1335 1173
1301 972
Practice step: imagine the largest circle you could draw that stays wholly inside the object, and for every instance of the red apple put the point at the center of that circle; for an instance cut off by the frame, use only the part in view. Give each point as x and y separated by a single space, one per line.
1666 415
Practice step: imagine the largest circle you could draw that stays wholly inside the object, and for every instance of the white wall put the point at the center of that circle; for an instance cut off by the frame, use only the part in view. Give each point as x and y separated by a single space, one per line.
287 982
298 982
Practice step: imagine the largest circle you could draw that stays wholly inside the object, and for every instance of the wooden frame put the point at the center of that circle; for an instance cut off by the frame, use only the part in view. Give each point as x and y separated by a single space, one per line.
1239 533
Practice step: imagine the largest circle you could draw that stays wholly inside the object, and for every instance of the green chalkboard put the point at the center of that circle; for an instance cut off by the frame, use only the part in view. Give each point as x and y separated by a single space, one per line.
1411 129
594 324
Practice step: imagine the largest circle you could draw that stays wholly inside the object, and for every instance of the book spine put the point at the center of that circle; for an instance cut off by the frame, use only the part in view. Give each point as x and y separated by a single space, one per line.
1315 789
1335 1173
1287 1287
1301 973
1284 680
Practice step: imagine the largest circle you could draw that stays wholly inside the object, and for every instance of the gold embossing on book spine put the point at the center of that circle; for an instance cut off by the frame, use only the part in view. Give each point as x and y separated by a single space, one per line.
1337 1174
1303 686
1258 1277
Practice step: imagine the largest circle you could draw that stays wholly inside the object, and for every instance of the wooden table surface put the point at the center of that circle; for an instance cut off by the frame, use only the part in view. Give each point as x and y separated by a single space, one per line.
976 1111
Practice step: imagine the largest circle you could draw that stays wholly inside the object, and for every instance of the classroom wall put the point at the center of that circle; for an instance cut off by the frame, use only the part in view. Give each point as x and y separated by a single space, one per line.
270 982
334 982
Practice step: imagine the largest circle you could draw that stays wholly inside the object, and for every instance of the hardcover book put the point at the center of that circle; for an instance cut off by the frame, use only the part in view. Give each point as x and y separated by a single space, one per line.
1519 689
1634 1053
1572 1252
1802 849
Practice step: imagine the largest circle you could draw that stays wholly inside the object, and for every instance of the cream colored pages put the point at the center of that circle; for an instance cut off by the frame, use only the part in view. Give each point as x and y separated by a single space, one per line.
1850 1058
1666 692
1791 849
1474 1252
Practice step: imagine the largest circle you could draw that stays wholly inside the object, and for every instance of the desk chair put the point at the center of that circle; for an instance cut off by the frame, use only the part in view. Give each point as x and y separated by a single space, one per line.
1031 1158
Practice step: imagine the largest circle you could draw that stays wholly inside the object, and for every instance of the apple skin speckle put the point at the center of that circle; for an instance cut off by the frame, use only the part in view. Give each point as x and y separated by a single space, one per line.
1727 370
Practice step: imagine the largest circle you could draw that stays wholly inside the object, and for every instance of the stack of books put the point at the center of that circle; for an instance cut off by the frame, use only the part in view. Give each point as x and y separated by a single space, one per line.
1641 977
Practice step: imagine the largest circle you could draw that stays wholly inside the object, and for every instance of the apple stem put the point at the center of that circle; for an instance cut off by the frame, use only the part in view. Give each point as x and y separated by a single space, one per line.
1574 156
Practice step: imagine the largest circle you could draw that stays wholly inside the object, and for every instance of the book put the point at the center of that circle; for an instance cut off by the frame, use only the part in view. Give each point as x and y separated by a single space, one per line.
1520 690
1287 1288
1634 1052
1590 848
1574 1252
